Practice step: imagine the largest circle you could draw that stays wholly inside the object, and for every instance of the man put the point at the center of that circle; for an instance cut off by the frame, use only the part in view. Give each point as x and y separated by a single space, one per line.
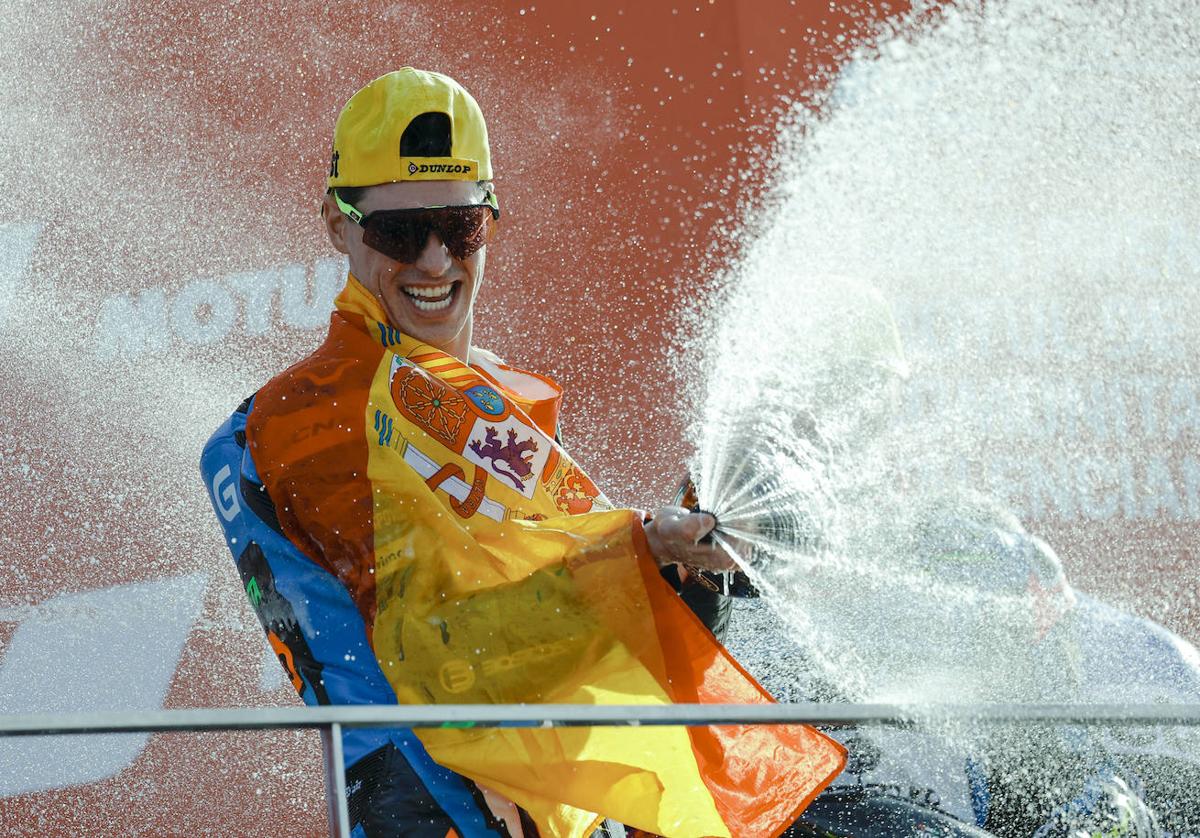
941 590
409 529
1051 643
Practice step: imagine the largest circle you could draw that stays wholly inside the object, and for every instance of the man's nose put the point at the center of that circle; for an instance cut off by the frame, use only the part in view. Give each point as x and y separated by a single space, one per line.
435 258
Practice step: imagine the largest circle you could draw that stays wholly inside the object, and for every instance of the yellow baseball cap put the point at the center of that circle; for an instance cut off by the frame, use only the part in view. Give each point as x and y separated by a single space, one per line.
373 143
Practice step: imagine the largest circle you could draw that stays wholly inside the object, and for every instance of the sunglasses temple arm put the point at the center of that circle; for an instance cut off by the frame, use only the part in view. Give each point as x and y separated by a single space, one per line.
349 210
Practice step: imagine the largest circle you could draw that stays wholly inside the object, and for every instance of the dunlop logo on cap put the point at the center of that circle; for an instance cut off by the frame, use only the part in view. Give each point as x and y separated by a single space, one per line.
440 168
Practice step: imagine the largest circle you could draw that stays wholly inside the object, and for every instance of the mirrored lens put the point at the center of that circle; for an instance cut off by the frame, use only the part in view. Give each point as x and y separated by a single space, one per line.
464 230
403 234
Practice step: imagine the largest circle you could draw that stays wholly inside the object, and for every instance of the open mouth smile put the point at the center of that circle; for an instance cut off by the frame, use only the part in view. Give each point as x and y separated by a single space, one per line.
431 298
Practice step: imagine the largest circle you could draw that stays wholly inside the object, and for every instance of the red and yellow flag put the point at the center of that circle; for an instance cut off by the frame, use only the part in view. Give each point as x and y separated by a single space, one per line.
490 569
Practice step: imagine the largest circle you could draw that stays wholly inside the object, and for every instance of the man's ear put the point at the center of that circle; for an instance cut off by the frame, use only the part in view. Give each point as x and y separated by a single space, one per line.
335 224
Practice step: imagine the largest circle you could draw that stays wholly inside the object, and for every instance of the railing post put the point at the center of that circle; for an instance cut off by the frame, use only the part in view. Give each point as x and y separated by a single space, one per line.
335 781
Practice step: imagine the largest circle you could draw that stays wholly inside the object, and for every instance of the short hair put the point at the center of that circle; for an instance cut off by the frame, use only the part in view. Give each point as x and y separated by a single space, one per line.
349 194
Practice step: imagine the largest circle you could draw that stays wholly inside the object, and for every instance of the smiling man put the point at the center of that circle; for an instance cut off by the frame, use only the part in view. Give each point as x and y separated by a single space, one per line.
417 245
425 290
410 529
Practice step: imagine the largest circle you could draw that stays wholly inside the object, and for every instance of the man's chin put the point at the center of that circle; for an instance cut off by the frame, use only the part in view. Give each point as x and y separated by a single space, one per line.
439 331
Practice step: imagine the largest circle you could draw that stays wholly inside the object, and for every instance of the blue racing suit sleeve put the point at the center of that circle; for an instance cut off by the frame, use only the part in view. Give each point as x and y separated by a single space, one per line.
320 638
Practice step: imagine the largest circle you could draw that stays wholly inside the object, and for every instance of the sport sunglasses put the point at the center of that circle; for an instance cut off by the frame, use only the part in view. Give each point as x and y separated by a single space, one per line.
401 234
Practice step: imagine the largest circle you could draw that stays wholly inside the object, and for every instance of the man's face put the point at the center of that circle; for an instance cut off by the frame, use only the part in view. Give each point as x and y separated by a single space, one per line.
431 299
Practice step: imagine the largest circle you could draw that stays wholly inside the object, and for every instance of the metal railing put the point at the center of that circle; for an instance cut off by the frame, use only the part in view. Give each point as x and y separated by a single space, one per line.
331 720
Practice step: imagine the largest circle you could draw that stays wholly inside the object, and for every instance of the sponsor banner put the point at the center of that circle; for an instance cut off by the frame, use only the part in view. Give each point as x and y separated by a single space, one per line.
215 310
1084 411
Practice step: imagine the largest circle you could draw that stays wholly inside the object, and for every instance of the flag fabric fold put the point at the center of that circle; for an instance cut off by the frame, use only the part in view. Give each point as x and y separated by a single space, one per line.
490 569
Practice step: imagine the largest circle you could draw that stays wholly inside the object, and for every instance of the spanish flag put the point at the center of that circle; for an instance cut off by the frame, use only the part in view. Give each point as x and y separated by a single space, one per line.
490 569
